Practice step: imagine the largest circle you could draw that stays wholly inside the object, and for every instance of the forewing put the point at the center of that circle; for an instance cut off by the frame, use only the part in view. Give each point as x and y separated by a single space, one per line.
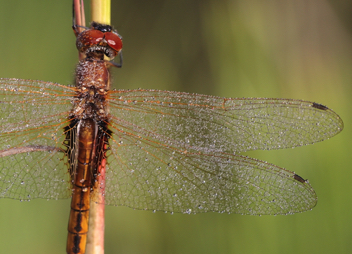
33 115
209 123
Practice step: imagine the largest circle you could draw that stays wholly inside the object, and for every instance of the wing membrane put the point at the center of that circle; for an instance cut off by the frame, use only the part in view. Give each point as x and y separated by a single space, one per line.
146 175
169 151
177 152
209 123
33 114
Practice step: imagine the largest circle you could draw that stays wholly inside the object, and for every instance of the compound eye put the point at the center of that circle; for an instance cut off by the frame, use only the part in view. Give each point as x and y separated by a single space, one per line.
114 41
89 38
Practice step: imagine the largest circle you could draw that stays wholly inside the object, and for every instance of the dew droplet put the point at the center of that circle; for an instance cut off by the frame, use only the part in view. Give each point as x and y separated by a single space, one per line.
188 211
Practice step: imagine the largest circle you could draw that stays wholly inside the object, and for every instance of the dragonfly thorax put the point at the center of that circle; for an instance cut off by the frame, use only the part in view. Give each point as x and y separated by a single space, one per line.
92 85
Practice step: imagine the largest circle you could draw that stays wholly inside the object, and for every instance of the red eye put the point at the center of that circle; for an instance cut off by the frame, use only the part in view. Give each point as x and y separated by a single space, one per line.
89 38
114 41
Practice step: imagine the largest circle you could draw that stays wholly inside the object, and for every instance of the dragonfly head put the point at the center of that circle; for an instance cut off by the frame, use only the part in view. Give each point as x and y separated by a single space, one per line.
98 41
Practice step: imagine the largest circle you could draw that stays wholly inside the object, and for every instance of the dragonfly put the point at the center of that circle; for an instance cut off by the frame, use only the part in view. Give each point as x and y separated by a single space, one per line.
155 150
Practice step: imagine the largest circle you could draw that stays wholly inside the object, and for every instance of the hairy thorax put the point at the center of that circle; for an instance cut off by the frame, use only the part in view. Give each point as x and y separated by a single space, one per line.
92 84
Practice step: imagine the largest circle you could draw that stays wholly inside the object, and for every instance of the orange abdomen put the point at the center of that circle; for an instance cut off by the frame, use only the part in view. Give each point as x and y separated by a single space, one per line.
83 165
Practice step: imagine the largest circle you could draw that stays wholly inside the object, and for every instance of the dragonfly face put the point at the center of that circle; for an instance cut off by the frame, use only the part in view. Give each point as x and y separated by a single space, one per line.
99 39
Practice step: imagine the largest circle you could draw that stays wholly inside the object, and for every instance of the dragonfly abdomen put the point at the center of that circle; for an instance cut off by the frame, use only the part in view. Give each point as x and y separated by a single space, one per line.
84 164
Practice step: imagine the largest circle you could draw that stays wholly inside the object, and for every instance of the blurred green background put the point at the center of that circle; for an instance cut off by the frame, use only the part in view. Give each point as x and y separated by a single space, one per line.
290 49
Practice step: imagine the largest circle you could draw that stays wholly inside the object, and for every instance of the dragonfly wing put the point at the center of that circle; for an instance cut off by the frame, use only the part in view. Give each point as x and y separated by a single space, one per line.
35 174
32 163
177 152
145 174
209 123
